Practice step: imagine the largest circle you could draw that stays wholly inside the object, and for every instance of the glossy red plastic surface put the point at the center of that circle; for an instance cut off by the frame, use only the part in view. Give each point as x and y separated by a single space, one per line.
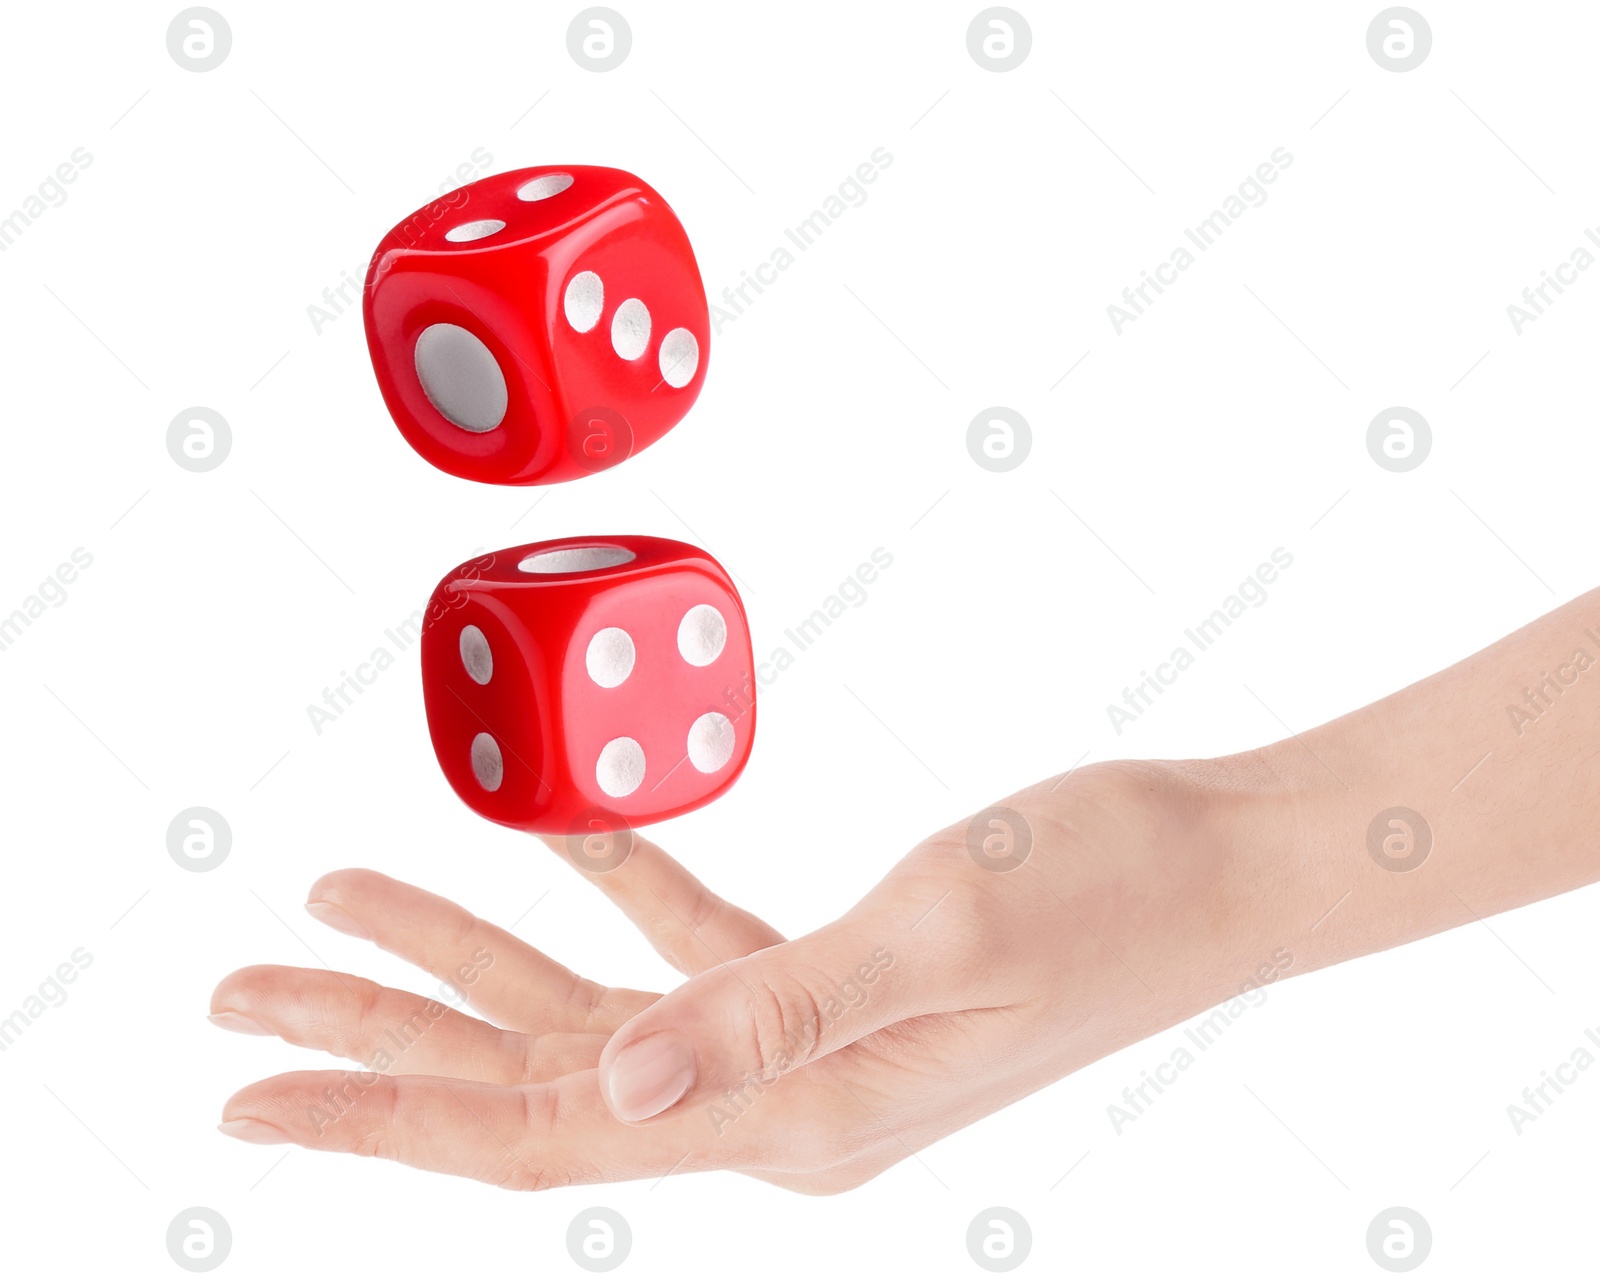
548 718
573 405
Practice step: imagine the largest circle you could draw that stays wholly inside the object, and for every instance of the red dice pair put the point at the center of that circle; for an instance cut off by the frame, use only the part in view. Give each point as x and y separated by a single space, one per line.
588 684
539 325
531 328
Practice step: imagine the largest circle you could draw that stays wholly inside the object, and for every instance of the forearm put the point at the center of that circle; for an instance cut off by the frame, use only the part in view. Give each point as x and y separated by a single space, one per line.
1496 755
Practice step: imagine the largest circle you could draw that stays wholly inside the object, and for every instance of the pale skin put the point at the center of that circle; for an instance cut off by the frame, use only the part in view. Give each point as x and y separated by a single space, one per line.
1151 892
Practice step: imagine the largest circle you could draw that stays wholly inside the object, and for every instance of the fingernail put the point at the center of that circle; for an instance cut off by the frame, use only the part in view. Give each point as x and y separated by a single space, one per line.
649 1075
336 918
228 1020
258 1131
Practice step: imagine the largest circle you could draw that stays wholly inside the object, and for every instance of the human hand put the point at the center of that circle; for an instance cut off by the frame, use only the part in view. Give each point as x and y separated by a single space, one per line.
1149 893
952 989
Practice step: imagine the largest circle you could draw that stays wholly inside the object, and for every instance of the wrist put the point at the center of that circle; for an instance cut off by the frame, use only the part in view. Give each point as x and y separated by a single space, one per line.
1206 855
1250 828
1299 876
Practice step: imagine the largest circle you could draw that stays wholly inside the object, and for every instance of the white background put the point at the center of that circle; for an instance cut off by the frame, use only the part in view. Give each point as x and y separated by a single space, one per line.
1227 421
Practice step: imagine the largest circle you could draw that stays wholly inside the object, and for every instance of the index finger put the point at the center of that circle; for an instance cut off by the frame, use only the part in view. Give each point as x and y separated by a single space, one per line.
692 928
516 985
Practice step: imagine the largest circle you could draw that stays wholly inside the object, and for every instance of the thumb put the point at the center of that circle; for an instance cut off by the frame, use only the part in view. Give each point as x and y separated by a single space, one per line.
761 1016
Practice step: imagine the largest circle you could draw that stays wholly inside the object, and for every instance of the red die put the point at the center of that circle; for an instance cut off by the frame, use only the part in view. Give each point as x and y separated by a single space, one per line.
538 325
588 677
